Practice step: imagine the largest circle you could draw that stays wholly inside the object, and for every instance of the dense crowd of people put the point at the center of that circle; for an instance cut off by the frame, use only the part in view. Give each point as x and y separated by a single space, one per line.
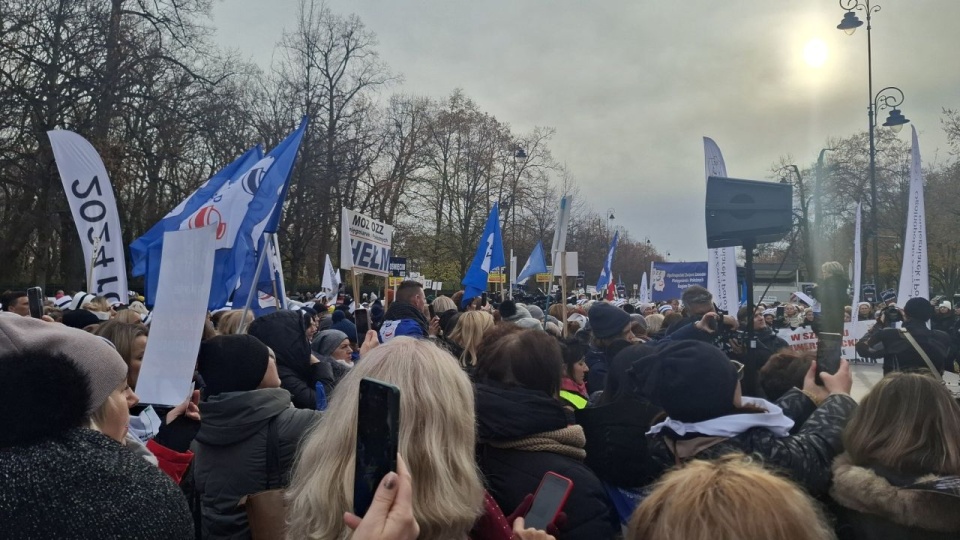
667 420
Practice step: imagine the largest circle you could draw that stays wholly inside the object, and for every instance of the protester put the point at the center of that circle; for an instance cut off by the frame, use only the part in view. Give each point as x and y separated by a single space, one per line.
468 334
573 387
893 344
333 347
784 370
697 301
524 431
130 341
62 479
437 433
15 302
231 321
654 325
607 324
865 311
442 304
943 318
902 457
766 343
792 316
729 498
300 372
407 316
707 416
243 405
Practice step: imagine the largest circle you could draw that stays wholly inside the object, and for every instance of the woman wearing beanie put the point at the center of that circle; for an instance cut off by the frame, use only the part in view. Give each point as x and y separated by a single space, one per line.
243 403
698 388
286 334
608 323
524 430
333 347
62 479
573 386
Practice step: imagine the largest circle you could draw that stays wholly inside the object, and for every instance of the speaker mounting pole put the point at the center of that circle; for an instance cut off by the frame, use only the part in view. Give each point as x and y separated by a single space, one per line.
750 244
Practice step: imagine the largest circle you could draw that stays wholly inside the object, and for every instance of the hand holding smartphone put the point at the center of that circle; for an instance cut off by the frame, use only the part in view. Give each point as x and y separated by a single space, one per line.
35 298
378 439
548 501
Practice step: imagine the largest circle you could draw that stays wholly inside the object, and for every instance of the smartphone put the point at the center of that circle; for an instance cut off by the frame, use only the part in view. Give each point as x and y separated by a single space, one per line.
548 501
362 321
378 439
35 297
433 312
780 312
483 299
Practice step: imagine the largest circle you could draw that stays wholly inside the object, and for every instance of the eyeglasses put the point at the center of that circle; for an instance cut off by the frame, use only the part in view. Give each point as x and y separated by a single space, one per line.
739 367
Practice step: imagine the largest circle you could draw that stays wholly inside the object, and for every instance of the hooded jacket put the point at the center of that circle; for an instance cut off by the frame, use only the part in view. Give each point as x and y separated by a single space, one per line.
805 455
285 333
508 414
231 448
82 484
879 505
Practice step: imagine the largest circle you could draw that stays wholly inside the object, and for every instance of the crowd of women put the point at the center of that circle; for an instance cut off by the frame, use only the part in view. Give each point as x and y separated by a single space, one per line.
662 435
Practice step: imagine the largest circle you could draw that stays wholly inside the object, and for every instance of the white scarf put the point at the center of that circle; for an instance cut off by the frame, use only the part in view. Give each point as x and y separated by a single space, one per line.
732 425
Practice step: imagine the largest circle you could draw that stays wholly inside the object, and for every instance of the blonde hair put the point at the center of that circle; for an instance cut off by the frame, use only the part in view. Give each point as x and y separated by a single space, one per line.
832 268
437 439
654 323
468 333
443 303
229 322
705 500
909 423
127 316
99 303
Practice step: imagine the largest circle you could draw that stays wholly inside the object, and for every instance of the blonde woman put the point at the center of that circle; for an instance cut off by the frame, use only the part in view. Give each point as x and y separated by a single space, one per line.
468 333
130 341
437 436
442 304
902 446
730 497
230 322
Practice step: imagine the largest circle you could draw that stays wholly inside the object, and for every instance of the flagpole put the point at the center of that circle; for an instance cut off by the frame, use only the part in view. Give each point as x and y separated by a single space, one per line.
273 275
253 291
386 288
356 289
563 290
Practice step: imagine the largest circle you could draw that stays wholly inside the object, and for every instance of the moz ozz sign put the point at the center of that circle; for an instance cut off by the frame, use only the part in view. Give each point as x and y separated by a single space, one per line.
365 244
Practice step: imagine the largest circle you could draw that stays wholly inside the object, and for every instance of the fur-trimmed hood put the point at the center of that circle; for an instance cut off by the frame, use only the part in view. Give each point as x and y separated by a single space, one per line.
863 490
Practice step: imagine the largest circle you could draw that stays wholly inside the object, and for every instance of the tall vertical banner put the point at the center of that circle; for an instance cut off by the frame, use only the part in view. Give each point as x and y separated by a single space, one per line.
644 290
606 273
563 223
364 244
914 274
178 316
94 210
721 262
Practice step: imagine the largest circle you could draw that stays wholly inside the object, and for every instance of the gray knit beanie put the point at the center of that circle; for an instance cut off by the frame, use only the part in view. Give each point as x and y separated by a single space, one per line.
327 341
92 355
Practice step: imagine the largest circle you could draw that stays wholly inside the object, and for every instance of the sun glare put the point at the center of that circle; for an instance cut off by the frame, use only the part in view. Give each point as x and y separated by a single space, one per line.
815 53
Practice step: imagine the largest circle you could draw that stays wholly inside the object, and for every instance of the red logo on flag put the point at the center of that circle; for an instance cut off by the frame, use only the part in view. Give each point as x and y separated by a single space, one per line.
208 215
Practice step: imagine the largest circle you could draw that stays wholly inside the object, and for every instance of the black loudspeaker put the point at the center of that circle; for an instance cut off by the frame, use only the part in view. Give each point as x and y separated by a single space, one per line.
742 210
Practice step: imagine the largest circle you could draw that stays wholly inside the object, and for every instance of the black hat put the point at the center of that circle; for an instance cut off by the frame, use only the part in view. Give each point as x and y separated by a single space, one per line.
607 320
692 380
918 309
80 318
232 363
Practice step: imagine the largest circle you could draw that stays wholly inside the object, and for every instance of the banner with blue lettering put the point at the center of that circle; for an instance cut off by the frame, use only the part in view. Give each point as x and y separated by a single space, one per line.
365 244
670 279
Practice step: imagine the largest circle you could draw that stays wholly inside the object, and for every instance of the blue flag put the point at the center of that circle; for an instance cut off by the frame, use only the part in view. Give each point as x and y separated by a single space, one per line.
489 255
535 264
145 251
607 272
262 218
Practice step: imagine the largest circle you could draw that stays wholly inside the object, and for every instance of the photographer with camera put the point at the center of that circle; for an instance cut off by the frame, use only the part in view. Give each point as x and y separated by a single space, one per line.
767 343
899 346
697 301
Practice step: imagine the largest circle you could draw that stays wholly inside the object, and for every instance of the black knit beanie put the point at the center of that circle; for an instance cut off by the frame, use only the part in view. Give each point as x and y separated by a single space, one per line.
607 320
692 381
918 309
232 363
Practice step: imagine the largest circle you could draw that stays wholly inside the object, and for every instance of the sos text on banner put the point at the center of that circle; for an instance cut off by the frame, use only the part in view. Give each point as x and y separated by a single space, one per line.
94 210
365 244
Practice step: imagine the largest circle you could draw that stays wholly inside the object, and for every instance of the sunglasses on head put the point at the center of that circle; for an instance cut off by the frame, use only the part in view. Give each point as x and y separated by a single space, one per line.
739 366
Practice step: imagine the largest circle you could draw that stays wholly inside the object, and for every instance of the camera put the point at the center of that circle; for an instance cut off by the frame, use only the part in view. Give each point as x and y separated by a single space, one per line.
891 314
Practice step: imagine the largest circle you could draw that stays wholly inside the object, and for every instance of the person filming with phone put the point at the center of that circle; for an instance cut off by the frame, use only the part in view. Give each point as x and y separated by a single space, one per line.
913 346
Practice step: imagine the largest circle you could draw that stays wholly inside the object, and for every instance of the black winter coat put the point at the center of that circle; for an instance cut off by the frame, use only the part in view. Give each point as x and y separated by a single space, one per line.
616 441
285 332
805 455
599 366
898 354
230 453
505 414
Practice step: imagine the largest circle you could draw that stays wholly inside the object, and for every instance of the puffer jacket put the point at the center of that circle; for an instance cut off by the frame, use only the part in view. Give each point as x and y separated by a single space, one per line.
509 414
881 505
616 443
230 453
805 455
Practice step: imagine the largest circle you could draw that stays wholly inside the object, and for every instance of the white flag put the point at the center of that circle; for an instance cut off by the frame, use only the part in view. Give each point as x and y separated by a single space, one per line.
331 277
644 290
914 274
721 262
563 223
94 210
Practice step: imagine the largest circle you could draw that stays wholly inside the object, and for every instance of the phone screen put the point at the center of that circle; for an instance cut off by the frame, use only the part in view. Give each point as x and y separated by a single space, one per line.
363 324
378 438
549 500
35 298
780 312
483 299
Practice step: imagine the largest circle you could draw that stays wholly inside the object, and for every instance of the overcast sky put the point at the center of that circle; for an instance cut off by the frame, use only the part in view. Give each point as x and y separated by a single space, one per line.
631 87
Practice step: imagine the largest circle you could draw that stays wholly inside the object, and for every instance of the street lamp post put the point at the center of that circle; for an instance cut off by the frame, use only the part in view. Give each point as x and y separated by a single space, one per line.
610 219
889 97
519 159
